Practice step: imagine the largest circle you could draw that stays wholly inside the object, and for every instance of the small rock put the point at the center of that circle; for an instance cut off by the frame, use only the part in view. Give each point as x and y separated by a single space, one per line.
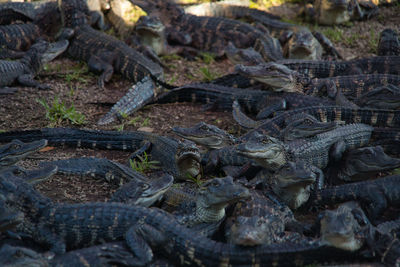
146 129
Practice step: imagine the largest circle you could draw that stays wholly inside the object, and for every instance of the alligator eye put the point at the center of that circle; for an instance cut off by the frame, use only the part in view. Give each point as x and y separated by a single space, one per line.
145 186
17 171
15 146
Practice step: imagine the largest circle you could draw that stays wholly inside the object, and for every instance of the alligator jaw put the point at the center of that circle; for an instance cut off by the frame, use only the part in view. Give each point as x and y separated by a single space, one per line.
16 150
53 50
155 191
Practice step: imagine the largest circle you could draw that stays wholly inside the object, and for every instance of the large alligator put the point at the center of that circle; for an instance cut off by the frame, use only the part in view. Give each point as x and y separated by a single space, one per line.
64 226
178 158
210 33
24 69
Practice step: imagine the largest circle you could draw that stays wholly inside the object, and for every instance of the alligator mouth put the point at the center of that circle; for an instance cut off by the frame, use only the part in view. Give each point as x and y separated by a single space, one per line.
189 165
40 175
155 191
54 50
19 153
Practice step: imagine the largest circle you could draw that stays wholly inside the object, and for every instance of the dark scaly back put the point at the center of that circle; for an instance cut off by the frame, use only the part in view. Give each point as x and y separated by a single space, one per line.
73 12
32 58
19 36
373 117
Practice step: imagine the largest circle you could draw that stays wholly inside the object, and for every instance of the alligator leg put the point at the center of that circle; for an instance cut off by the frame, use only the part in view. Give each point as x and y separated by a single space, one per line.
337 150
241 118
275 104
102 63
27 80
327 44
145 147
138 244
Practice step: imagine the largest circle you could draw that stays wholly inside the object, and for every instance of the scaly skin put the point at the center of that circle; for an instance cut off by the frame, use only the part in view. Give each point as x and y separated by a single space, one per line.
102 52
389 43
273 154
210 33
175 157
62 226
24 69
374 195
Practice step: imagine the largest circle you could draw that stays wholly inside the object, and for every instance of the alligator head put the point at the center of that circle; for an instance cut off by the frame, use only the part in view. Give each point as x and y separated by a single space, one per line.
366 160
188 159
16 150
152 33
248 56
143 193
275 75
265 150
292 183
383 97
254 230
30 176
303 45
167 11
339 228
215 195
206 135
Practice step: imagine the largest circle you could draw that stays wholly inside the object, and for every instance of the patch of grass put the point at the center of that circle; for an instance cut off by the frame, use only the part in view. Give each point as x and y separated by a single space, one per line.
334 34
58 112
373 41
207 57
195 180
2 131
351 40
143 163
190 76
119 128
396 171
77 74
207 74
171 57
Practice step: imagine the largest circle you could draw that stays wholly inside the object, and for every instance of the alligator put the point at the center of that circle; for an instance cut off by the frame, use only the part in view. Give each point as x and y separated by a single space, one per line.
389 43
210 202
317 150
373 117
143 193
178 158
108 254
16 150
68 226
103 53
259 220
15 39
281 78
373 195
361 163
24 69
31 176
292 183
210 34
297 41
326 12
383 97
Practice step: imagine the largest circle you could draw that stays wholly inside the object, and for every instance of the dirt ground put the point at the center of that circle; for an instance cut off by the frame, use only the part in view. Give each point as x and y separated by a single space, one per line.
73 84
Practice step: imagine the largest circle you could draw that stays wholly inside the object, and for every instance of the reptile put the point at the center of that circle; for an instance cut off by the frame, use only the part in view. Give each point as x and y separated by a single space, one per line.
361 163
17 150
389 43
31 176
206 211
68 226
317 150
210 34
297 41
24 69
103 53
383 97
331 12
137 190
178 158
281 78
373 195
373 117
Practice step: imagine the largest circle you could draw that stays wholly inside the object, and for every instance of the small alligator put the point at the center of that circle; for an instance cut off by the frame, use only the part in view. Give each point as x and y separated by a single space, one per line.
297 41
68 226
31 176
210 33
361 163
103 53
383 97
281 78
374 195
16 150
24 69
207 208
178 158
317 150
328 12
389 43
